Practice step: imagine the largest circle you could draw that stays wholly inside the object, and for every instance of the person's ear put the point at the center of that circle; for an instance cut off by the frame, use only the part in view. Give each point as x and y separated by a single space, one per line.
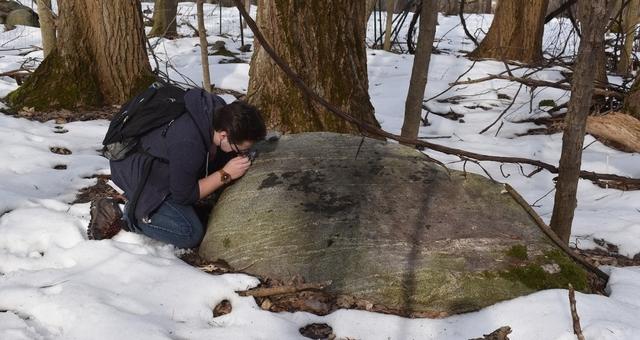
223 134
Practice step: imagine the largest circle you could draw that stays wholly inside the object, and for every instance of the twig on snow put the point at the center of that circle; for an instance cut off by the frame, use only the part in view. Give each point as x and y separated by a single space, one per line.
577 330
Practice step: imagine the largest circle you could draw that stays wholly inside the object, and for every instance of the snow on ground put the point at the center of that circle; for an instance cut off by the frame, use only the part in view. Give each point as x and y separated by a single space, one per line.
56 284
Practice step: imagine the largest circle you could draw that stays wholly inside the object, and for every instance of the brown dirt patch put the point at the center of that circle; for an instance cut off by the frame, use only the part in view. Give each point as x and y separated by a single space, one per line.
101 189
65 116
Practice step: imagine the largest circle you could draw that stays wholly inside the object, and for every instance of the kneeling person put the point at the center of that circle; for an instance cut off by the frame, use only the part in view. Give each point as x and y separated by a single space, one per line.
180 154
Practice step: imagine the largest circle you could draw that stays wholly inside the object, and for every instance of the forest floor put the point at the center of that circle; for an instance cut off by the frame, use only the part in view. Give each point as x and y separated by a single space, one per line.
56 284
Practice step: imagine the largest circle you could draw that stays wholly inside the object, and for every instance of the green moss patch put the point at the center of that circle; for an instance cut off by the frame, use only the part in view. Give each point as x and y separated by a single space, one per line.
535 276
518 251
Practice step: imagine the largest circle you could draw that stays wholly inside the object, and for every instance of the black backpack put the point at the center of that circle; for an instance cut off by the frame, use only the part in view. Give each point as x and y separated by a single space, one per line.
159 105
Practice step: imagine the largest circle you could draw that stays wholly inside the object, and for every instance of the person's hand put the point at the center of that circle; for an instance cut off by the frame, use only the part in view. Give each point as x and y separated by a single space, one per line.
237 167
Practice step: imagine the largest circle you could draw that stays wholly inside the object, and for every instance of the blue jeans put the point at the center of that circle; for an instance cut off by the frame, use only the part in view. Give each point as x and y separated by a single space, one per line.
173 223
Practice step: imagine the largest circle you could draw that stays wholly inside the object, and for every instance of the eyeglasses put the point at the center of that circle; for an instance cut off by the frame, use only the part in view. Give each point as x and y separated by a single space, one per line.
251 154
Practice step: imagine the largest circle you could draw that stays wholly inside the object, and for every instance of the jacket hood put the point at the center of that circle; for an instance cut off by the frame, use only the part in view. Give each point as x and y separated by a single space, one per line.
201 105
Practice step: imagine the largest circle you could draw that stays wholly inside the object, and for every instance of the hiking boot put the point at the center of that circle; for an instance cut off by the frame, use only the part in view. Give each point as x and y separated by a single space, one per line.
106 219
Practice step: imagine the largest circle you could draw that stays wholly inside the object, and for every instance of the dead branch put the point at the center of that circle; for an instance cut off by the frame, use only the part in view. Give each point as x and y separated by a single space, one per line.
280 290
539 83
376 131
552 235
577 330
195 30
464 24
17 72
503 112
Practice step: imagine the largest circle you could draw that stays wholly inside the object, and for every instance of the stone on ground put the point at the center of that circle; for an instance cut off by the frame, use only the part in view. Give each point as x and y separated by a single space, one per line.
385 225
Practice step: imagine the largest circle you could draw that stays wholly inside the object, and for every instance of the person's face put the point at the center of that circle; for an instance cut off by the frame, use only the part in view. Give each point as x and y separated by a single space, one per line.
227 145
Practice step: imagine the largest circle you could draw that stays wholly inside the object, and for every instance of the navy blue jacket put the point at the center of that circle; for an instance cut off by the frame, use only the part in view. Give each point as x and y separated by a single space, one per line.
183 148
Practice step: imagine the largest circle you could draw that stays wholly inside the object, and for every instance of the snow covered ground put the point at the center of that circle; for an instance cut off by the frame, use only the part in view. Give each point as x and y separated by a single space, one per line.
55 284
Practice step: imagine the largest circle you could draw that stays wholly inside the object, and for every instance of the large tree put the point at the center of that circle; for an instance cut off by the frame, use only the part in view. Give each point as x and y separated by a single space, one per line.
590 14
100 58
629 22
324 42
164 19
515 33
47 26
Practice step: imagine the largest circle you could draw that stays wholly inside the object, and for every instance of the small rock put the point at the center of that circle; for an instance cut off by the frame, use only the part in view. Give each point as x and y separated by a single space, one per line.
218 45
266 304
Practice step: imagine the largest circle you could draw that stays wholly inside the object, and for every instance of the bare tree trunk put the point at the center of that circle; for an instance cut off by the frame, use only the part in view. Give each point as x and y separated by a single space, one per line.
204 47
400 5
449 7
247 5
516 32
590 13
371 5
322 41
387 30
600 69
100 58
629 30
486 4
420 71
164 19
47 26
632 101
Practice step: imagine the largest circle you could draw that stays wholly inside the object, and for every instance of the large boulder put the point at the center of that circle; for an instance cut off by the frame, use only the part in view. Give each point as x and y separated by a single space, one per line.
21 16
385 225
7 6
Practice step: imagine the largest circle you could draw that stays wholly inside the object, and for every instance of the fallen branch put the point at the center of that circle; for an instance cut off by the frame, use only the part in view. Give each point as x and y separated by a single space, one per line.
372 130
18 72
195 30
502 113
280 290
577 330
552 235
538 83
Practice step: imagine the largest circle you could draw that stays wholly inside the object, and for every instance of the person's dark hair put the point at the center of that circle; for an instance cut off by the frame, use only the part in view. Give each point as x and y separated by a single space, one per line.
242 121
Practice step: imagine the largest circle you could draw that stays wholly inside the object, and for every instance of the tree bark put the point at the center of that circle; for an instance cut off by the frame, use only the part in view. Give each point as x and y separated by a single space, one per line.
388 27
164 19
449 7
322 41
247 5
420 71
47 26
100 59
487 8
204 47
590 13
371 5
629 30
632 101
516 32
